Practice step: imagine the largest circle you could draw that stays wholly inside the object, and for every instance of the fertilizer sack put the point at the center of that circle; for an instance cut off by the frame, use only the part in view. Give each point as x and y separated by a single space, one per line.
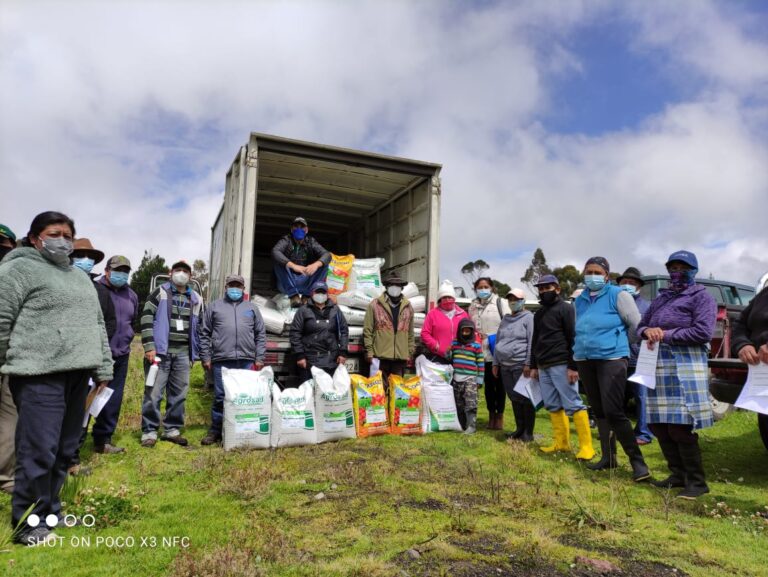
366 276
355 299
247 396
405 405
439 408
354 317
293 416
370 401
339 271
333 405
433 372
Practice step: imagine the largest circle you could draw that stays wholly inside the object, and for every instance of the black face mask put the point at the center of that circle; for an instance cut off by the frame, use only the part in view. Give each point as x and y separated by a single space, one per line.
548 297
4 250
467 338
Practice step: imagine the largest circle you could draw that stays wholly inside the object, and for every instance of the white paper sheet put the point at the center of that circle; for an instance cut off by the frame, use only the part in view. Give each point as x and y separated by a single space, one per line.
754 395
97 404
529 388
645 373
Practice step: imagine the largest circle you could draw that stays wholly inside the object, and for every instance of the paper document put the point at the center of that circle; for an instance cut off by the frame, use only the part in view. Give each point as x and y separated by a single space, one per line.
95 403
645 373
529 388
754 395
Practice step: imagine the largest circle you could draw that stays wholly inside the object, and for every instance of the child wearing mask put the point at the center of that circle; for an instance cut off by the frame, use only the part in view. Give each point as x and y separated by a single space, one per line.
468 360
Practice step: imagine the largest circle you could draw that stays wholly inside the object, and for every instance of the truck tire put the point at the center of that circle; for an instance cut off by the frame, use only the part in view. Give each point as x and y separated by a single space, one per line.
762 425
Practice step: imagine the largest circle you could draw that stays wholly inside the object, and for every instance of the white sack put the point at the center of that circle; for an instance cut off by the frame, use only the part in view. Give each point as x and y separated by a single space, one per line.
333 405
247 407
293 416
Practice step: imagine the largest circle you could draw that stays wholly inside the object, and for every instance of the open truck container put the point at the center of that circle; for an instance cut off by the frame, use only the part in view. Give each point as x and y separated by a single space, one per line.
355 202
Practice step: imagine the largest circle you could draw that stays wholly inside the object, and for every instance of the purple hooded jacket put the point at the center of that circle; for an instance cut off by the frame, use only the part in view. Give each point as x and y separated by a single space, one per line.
686 317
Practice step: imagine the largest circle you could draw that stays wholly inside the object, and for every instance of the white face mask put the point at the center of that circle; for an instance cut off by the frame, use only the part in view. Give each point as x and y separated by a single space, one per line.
394 291
180 278
319 298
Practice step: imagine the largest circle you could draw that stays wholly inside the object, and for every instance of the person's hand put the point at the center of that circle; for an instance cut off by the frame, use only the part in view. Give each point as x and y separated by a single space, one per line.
495 371
207 365
573 376
101 386
340 360
258 365
297 268
749 355
533 374
311 269
654 335
301 363
150 356
369 358
527 372
763 354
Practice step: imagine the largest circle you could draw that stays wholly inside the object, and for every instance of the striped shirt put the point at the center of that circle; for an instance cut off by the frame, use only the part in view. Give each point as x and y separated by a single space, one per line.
468 362
178 335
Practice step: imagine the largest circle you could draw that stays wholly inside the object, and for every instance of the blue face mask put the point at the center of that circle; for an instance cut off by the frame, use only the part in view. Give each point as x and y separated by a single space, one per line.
84 263
299 233
483 293
118 279
516 306
630 288
234 294
594 282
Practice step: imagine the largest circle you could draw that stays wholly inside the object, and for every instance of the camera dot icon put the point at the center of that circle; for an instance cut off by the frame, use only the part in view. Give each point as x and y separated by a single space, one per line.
51 520
33 520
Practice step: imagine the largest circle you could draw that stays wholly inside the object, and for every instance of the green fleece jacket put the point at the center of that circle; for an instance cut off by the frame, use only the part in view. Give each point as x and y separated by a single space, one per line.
50 319
383 337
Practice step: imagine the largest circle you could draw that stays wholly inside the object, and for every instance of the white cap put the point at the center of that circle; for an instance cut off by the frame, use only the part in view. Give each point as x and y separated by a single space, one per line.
517 293
445 290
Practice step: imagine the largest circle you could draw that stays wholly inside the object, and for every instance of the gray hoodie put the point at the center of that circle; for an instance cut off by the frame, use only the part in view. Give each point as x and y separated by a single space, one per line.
232 331
513 339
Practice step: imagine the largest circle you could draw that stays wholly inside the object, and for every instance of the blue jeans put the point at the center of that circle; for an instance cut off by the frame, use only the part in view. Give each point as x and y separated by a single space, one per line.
173 380
292 283
557 393
217 408
640 393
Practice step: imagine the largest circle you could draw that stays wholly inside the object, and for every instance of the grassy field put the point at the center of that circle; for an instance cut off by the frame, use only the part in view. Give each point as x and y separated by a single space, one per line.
442 504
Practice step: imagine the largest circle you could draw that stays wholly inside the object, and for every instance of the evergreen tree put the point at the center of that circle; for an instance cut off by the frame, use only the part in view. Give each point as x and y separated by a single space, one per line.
536 270
141 280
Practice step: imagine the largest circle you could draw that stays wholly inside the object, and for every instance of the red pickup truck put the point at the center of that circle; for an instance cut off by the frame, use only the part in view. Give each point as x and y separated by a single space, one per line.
727 374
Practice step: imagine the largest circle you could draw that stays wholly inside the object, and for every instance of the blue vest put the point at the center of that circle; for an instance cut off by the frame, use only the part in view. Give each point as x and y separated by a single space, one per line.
600 332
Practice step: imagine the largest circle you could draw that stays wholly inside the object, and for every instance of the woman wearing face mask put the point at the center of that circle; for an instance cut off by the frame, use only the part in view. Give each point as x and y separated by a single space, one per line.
681 321
512 358
606 318
441 324
52 340
486 311
319 334
388 329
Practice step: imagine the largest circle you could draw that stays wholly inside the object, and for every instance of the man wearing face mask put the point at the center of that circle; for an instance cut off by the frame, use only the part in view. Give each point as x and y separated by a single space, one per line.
169 330
319 334
232 336
299 262
7 241
388 329
52 341
632 281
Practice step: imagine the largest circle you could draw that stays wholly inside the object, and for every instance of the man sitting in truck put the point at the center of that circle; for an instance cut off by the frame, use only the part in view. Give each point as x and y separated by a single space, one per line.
299 262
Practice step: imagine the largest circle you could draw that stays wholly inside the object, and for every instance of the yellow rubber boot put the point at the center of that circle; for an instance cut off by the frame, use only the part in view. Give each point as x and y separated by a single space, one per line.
560 433
586 451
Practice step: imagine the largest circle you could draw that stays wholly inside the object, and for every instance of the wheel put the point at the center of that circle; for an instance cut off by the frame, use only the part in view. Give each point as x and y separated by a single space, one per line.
719 408
762 425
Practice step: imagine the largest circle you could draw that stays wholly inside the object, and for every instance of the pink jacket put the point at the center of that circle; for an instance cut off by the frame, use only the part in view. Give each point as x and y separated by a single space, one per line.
439 331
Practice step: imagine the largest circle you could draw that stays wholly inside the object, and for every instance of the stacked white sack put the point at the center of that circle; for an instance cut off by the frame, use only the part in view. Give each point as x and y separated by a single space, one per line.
355 332
419 304
354 299
354 317
410 290
366 276
418 320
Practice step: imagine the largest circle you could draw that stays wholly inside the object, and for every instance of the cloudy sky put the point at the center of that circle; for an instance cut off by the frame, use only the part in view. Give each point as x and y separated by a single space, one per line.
626 129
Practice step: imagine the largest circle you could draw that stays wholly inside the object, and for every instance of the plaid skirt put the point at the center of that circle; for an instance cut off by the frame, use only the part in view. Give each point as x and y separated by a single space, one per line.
681 396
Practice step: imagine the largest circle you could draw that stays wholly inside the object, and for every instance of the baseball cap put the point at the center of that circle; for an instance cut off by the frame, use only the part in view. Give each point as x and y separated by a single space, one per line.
7 233
547 279
300 220
320 286
517 293
234 278
684 256
117 261
181 264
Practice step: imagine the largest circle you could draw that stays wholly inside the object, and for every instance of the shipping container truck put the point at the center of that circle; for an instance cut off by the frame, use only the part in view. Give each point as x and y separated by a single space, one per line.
355 202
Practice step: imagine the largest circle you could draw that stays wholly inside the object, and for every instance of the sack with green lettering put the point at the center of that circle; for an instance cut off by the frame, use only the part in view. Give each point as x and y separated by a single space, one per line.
247 407
333 405
293 416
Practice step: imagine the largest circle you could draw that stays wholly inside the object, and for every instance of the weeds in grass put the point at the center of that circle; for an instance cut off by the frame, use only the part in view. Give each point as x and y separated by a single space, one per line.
614 514
460 521
74 485
231 560
755 523
109 507
7 535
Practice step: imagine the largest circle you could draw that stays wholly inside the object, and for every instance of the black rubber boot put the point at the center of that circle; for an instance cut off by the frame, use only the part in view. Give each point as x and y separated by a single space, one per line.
607 448
517 410
675 463
529 420
695 484
626 436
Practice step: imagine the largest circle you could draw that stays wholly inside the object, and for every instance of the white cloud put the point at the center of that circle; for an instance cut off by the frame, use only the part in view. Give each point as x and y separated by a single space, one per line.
105 106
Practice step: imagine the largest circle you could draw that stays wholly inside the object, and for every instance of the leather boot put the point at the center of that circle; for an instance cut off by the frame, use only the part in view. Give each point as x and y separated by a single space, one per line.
517 410
491 421
581 422
607 448
626 437
675 463
529 420
471 422
499 421
695 483
560 432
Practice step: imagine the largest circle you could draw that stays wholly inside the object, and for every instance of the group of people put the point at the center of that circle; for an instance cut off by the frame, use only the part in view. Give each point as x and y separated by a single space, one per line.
65 335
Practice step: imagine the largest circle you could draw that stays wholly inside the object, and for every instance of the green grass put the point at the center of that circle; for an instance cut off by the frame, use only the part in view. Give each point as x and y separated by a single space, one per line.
468 505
